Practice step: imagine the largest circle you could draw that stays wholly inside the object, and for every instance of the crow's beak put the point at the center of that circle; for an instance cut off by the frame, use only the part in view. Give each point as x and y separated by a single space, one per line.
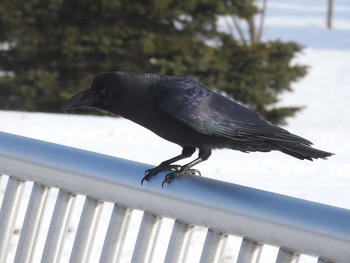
83 99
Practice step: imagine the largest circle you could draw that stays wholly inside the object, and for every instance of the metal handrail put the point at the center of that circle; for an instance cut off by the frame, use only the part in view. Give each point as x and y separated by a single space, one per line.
296 225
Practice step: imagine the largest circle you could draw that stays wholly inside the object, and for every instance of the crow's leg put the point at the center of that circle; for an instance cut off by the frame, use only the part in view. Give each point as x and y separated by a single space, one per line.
187 151
186 169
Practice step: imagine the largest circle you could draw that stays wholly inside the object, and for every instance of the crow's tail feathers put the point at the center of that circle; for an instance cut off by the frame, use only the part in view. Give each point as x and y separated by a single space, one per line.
302 151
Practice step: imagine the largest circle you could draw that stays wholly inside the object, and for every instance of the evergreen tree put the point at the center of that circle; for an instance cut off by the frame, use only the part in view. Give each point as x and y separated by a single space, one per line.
51 49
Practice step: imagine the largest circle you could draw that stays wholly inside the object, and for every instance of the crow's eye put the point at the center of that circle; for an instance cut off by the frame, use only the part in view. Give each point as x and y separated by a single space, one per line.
103 92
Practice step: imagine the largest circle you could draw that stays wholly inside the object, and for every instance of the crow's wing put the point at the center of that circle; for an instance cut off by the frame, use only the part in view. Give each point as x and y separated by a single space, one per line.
213 114
192 106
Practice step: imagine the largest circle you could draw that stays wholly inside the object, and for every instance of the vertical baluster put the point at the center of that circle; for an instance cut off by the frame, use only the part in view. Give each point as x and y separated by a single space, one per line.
179 243
285 256
31 224
115 237
58 227
249 251
84 238
8 214
214 247
147 238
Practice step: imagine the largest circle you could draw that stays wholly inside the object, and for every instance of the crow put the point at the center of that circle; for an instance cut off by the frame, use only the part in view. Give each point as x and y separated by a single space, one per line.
191 115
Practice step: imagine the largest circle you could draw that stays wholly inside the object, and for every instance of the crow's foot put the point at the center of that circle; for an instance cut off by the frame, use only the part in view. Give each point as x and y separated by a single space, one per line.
154 171
182 171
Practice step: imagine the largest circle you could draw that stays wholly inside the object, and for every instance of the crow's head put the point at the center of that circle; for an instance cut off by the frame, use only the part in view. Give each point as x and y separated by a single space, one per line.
103 92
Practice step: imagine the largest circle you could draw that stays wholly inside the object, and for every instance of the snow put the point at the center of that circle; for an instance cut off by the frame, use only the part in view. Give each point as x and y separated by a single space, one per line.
325 121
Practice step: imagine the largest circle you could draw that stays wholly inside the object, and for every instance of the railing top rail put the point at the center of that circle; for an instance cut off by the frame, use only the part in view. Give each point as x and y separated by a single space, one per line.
299 225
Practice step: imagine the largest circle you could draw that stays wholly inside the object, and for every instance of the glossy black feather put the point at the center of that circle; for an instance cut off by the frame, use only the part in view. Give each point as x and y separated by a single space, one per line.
213 114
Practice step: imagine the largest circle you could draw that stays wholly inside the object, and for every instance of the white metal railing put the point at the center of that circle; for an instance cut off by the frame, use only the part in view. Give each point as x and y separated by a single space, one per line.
295 226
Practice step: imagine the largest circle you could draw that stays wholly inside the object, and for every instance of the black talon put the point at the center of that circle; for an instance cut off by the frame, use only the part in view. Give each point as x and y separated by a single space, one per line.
154 171
168 179
178 170
148 174
184 170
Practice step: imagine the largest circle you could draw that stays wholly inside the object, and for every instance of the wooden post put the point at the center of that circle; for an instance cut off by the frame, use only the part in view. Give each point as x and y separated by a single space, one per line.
330 14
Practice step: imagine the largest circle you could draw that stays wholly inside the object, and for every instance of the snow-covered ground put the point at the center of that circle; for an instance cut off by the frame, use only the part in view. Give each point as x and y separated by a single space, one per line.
324 92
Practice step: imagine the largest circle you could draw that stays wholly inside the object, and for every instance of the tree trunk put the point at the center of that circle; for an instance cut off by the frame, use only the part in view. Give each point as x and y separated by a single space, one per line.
262 20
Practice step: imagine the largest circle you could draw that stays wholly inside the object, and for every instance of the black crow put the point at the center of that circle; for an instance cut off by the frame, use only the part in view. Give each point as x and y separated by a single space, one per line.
191 115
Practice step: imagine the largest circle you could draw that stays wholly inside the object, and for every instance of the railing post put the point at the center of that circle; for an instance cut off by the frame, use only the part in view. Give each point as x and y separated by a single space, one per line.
249 251
116 233
214 247
146 238
84 238
285 256
58 227
31 224
8 214
179 242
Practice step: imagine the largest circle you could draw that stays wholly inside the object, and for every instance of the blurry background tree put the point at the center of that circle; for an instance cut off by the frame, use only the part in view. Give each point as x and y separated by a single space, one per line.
245 14
51 49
